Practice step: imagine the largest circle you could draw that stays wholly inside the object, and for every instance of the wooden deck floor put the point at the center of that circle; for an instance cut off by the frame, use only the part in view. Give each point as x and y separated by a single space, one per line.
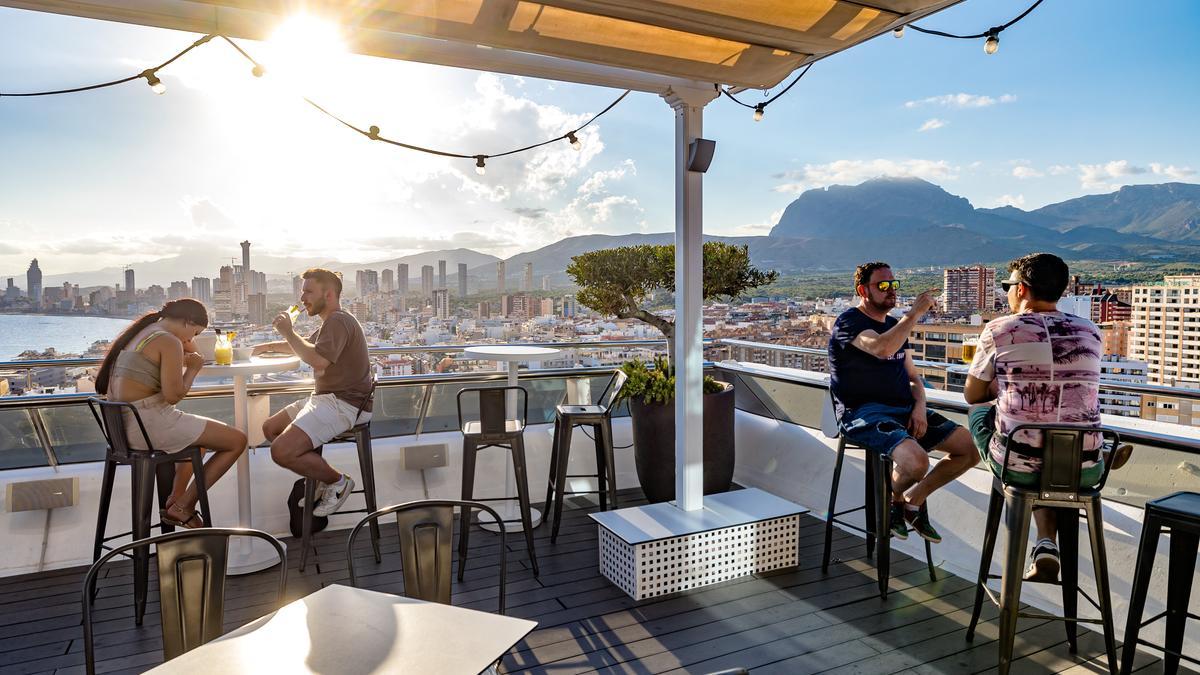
795 621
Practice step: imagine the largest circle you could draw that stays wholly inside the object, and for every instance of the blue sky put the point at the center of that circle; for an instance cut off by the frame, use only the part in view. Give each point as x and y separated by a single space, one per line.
1083 96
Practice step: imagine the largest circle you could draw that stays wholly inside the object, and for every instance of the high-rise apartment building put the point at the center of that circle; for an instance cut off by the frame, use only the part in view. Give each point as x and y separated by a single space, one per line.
402 279
426 282
33 283
177 290
545 282
297 285
527 279
1166 330
387 282
569 308
969 289
1116 337
441 274
11 291
245 257
462 280
202 290
520 306
547 307
500 277
257 304
441 303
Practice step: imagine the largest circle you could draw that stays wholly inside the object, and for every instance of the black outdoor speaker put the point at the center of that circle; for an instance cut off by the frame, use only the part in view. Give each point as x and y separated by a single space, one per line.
700 154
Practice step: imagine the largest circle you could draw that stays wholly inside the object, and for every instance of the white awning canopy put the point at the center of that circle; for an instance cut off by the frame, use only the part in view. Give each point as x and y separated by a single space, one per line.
638 44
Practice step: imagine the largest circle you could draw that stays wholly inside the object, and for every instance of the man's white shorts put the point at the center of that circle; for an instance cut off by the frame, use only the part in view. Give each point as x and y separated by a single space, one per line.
323 416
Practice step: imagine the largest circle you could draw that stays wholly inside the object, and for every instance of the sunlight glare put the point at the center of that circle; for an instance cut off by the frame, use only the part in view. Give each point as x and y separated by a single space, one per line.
305 51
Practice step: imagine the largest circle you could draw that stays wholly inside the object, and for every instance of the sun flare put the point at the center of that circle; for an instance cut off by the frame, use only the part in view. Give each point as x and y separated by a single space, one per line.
305 50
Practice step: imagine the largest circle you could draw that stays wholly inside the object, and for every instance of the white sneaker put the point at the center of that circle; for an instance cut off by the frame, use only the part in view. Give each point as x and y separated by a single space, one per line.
332 498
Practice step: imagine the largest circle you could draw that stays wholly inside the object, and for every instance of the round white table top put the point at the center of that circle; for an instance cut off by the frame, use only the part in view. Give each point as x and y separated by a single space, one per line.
257 365
509 352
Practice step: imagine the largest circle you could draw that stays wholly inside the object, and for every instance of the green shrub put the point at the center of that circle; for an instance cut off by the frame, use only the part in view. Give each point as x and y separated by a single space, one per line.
656 385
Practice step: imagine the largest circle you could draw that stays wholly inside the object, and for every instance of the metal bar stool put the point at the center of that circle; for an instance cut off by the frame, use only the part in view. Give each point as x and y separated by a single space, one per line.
877 492
147 468
360 435
599 418
1062 457
1180 515
494 430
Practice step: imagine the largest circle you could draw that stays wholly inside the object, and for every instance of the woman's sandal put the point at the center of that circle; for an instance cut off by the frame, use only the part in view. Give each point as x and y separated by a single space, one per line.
166 517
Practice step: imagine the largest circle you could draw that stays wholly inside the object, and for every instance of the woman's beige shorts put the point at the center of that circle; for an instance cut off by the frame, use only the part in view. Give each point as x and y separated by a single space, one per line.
170 429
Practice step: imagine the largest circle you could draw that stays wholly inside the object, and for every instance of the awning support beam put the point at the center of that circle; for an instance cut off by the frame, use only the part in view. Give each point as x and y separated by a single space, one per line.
689 300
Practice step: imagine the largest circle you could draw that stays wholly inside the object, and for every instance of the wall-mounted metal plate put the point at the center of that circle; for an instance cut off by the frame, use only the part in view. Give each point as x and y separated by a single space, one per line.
36 495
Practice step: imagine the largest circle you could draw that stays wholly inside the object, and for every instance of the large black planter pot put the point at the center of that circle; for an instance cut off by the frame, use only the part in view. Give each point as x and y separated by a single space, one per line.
654 445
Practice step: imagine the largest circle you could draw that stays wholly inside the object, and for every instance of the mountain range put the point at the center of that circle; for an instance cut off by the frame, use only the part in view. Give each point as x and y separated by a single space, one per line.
907 221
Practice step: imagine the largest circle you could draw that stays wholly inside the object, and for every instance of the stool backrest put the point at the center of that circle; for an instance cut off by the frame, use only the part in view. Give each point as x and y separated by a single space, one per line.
426 530
110 416
612 391
493 417
191 584
369 398
829 420
1062 457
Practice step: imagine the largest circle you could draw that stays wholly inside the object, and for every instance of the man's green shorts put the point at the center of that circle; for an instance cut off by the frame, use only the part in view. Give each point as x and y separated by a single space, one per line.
982 424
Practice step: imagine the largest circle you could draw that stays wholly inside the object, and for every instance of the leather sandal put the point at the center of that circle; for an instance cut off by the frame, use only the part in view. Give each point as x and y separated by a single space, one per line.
186 523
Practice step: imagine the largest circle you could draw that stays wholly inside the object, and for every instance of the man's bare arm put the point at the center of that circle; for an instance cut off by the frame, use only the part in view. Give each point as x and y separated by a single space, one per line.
883 346
977 390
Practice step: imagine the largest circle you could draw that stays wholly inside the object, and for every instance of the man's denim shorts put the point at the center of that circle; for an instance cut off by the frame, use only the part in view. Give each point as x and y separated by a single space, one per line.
880 428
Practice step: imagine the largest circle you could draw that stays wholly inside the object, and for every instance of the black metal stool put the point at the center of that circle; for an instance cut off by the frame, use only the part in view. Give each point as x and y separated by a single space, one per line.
878 499
1180 514
147 467
599 418
360 435
1062 457
495 430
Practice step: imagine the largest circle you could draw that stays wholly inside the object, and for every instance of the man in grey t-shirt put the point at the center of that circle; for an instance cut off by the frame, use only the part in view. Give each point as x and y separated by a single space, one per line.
337 352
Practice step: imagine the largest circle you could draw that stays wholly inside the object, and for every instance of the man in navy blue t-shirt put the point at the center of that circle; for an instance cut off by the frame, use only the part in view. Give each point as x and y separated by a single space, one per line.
880 399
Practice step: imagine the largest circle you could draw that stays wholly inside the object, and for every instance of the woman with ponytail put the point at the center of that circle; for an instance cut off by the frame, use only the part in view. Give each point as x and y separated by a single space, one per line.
152 365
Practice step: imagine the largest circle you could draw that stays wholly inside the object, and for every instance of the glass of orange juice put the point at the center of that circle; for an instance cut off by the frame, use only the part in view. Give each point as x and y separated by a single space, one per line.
223 352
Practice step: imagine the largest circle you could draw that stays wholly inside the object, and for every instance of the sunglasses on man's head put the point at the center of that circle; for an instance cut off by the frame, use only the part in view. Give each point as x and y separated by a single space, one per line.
893 284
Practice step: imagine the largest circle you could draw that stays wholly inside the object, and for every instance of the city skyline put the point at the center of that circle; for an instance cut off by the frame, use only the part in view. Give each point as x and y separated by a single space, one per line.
1041 103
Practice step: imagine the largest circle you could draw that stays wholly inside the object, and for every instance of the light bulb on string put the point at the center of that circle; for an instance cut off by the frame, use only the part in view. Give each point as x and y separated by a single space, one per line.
156 85
992 43
479 166
258 70
574 140
758 111
898 32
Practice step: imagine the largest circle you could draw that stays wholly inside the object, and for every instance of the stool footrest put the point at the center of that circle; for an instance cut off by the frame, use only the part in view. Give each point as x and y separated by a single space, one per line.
853 527
857 508
1054 617
1164 650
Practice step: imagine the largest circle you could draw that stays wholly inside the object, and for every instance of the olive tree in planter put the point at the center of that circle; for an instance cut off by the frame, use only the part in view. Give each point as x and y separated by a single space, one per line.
621 282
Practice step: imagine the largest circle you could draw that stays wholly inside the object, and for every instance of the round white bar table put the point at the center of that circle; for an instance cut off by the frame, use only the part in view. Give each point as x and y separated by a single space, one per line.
247 554
510 512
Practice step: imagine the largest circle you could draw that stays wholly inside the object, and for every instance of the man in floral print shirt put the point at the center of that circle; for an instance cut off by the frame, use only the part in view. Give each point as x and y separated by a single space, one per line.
1039 366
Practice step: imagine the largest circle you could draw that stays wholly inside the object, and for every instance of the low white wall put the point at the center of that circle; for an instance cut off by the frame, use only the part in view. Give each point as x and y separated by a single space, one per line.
32 543
796 463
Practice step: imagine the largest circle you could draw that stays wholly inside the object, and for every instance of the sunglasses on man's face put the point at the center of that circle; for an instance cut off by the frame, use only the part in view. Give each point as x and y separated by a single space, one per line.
1008 284
890 284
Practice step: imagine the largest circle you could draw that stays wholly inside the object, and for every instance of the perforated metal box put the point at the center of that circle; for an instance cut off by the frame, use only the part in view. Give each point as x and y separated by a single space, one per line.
657 549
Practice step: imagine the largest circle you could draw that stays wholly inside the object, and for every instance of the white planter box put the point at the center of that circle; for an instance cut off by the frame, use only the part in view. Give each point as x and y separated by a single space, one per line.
653 550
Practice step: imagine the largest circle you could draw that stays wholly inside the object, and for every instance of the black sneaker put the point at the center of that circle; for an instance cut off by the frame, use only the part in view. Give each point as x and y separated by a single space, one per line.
896 521
1043 563
919 522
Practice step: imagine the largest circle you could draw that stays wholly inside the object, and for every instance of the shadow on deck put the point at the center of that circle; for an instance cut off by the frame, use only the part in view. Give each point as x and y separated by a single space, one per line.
794 621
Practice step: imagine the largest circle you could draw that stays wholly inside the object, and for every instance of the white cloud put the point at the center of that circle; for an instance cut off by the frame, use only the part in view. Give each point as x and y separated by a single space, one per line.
1101 176
1059 169
854 171
597 181
759 228
1010 200
1024 172
931 124
961 101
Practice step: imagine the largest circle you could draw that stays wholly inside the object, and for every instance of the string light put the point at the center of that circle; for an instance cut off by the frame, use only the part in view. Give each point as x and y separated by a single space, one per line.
372 132
156 84
761 108
991 43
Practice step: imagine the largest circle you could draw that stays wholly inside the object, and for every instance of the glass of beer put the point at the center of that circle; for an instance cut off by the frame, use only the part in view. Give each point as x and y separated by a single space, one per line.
968 349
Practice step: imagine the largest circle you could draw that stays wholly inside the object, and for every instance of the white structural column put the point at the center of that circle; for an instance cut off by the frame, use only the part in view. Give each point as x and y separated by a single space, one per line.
689 301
